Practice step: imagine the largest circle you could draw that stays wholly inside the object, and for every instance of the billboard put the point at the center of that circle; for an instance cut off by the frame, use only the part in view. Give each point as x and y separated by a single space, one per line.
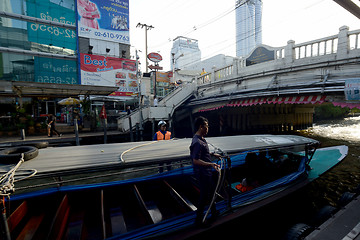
109 71
104 19
59 71
45 34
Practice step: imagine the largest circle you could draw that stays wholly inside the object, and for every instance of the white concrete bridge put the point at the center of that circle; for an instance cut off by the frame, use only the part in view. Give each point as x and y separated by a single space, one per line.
315 71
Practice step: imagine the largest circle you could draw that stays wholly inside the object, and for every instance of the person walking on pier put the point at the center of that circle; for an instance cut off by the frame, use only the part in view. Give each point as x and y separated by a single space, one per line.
51 124
202 164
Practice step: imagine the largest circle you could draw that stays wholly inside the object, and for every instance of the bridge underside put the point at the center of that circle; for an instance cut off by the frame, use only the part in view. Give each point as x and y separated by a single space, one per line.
264 118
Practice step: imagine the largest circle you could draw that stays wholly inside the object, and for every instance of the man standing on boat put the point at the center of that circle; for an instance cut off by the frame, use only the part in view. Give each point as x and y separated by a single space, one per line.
162 134
202 164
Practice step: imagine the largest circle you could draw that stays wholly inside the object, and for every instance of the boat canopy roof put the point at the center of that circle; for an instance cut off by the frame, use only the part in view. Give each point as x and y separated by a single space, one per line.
54 161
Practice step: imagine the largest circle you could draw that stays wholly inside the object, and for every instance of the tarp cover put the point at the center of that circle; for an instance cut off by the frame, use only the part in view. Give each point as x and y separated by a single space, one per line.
67 159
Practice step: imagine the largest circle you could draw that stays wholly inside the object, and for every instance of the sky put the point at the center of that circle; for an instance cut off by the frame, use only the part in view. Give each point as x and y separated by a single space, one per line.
212 23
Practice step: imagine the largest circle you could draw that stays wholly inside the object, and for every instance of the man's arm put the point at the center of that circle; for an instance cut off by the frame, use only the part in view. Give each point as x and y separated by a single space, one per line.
200 162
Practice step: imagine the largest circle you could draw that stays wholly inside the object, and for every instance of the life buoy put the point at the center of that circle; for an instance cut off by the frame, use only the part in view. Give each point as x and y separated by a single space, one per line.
345 198
298 231
13 155
322 215
38 144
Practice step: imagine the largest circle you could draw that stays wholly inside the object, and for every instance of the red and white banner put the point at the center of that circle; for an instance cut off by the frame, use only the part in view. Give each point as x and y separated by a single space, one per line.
109 71
277 100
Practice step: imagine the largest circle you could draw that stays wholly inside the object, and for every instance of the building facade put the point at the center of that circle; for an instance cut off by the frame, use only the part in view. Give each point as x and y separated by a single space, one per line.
248 26
185 52
64 43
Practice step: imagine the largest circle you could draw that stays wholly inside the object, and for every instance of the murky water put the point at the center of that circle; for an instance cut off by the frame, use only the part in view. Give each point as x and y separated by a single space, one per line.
274 220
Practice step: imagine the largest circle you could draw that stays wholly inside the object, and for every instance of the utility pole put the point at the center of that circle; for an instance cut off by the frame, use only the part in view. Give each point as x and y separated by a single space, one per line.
147 27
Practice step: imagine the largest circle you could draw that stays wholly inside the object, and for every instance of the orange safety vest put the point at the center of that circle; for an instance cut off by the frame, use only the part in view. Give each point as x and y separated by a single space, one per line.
161 136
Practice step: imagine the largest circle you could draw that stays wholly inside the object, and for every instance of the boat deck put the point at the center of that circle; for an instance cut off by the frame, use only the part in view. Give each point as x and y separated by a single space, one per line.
345 224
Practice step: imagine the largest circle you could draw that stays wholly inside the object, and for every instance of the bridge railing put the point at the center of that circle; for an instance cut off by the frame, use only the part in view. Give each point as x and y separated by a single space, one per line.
317 47
354 39
343 42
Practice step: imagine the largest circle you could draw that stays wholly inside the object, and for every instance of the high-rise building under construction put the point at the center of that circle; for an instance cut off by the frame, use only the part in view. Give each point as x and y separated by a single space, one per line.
248 26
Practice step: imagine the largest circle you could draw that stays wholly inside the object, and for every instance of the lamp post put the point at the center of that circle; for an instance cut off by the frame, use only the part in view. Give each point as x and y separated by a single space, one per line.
174 60
147 27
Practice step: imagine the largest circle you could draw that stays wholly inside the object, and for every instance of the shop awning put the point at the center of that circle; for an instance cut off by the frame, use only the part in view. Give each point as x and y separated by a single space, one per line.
34 89
313 99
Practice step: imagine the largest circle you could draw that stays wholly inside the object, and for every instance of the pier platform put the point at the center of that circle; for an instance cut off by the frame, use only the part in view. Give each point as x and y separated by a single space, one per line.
66 138
345 224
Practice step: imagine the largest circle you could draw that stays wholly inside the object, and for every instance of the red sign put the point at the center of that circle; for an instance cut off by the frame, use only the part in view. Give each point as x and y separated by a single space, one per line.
109 71
154 57
103 113
155 67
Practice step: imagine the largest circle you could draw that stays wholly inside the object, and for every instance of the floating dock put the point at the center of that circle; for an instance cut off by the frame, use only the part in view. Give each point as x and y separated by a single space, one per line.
345 224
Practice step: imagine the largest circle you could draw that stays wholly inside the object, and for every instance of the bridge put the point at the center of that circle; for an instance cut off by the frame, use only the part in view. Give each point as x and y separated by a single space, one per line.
261 91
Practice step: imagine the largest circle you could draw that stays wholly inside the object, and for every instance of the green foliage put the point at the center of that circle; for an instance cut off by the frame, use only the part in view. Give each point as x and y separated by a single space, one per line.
86 106
329 111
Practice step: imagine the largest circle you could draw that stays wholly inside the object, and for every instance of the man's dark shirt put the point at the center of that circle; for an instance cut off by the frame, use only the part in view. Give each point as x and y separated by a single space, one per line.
199 149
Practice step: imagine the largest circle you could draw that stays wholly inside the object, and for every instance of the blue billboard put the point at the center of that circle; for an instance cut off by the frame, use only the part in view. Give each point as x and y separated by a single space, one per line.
104 19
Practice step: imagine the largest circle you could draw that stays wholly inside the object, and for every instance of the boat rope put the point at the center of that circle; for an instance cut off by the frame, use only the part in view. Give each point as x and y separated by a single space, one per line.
7 180
141 145
130 149
220 178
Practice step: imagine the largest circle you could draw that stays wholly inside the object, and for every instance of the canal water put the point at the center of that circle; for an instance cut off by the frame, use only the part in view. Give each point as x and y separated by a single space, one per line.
273 221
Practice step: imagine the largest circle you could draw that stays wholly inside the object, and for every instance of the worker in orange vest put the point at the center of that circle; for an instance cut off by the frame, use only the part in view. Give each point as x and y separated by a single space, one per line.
162 134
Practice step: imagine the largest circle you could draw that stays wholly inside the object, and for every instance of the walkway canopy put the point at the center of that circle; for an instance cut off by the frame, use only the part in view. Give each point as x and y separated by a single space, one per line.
34 89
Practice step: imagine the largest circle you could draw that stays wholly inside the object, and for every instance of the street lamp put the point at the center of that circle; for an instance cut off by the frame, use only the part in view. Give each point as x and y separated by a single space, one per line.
174 60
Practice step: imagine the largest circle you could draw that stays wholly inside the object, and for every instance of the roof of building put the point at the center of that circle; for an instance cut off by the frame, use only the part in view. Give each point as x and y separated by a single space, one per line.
34 89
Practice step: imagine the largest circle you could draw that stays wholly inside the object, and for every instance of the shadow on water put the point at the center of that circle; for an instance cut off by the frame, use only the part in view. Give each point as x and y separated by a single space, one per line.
273 220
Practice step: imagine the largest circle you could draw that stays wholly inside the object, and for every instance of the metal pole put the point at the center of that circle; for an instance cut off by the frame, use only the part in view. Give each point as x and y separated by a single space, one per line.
147 27
131 132
22 134
105 130
4 222
146 51
76 132
139 95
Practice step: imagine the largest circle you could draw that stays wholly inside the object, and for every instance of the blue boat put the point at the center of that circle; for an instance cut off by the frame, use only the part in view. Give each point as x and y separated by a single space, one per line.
163 206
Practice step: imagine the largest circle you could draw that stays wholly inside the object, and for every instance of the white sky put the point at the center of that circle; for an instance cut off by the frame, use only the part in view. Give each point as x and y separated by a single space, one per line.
282 20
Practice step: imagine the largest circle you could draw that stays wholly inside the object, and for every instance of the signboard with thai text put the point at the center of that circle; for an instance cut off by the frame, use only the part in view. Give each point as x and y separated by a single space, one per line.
109 71
57 71
259 55
51 35
104 19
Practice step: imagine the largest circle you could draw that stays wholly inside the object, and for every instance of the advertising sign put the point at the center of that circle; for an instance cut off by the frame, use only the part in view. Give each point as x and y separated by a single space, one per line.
109 71
45 34
104 19
154 57
352 89
59 71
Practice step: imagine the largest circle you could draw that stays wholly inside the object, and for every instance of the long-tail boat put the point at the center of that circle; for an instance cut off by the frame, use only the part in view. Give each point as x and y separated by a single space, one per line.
163 205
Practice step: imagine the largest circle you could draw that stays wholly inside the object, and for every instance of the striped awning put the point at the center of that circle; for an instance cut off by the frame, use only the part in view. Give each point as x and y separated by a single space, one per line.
211 109
277 100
